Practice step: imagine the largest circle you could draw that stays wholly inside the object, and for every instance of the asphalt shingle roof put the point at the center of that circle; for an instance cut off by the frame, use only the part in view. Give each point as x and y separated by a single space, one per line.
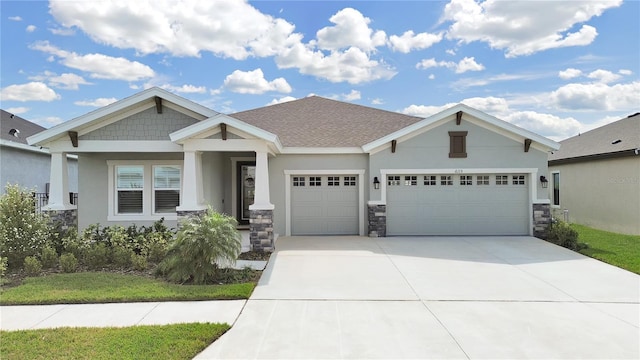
26 128
319 122
602 140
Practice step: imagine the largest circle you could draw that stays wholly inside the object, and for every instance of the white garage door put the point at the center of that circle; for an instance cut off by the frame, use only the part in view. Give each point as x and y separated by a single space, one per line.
324 205
483 204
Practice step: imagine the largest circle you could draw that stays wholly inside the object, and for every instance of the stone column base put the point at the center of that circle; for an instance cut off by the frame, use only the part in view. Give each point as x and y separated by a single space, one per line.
377 215
261 230
541 220
185 214
64 219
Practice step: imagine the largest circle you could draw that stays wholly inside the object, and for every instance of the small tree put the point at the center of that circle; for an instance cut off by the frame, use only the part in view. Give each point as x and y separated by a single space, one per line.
202 242
22 232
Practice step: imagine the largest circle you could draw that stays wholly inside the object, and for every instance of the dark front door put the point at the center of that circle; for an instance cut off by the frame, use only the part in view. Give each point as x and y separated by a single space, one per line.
246 178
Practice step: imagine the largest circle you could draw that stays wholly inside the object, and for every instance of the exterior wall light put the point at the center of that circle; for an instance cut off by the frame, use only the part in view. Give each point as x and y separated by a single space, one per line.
376 183
544 181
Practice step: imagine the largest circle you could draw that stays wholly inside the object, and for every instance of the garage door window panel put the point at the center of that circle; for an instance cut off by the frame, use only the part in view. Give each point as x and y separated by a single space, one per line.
393 180
482 180
518 180
430 180
410 181
349 181
502 180
298 181
315 181
446 180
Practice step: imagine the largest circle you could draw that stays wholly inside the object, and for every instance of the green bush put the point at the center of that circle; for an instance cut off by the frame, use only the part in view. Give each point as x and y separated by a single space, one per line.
97 256
3 266
138 262
121 257
74 244
68 263
32 266
201 243
560 233
22 232
49 257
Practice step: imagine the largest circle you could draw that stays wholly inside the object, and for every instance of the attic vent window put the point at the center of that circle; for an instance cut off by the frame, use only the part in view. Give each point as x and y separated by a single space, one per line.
457 144
616 141
14 132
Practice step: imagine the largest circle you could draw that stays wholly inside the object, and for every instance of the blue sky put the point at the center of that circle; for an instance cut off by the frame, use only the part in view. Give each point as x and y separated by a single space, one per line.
556 68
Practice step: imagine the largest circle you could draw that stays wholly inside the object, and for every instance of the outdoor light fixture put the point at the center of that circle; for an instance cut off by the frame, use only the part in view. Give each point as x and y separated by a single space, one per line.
544 181
376 183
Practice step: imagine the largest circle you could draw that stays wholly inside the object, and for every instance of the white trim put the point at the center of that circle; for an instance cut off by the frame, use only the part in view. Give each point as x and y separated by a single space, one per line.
225 145
116 146
532 172
550 190
287 193
322 150
234 185
113 109
26 147
147 190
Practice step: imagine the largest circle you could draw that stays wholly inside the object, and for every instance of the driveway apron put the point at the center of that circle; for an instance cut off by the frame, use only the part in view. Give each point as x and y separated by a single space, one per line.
434 297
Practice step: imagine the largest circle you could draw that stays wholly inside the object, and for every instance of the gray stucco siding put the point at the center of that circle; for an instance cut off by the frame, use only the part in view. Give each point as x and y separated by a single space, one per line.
145 125
31 170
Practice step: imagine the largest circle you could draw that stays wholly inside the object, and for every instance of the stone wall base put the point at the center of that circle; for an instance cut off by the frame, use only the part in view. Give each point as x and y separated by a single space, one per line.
64 219
377 217
541 219
261 230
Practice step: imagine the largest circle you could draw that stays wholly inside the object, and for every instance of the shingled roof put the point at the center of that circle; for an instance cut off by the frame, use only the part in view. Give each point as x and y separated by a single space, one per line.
319 122
619 138
25 128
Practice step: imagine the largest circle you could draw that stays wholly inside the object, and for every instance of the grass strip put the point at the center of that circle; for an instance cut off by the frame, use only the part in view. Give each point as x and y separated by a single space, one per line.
616 249
103 287
180 341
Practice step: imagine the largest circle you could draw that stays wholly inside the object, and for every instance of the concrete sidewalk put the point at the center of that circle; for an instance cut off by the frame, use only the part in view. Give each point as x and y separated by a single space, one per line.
26 317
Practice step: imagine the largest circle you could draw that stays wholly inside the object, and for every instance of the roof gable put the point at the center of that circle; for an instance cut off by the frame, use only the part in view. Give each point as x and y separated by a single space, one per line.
602 140
476 116
120 110
316 122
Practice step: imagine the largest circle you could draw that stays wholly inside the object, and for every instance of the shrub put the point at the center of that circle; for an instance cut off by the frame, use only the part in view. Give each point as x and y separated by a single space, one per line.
74 244
138 262
68 263
201 243
560 233
32 266
3 266
97 256
49 257
22 232
121 256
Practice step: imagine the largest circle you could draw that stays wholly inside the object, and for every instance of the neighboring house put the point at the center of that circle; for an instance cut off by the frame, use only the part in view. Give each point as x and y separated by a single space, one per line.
312 166
20 163
595 177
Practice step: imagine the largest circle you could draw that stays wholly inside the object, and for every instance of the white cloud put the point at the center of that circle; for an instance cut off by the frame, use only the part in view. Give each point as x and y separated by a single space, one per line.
351 30
603 76
483 81
524 27
431 76
186 89
65 81
48 121
411 41
464 65
31 28
33 91
15 18
377 101
569 73
625 72
62 31
17 110
99 66
281 100
353 95
99 102
451 52
253 82
597 96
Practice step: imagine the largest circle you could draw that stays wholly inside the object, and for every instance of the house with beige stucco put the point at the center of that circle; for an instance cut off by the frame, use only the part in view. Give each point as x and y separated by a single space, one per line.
595 177
311 166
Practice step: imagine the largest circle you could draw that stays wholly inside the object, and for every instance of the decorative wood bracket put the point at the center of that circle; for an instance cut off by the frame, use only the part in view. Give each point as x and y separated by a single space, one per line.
394 143
527 145
223 131
458 117
158 104
73 135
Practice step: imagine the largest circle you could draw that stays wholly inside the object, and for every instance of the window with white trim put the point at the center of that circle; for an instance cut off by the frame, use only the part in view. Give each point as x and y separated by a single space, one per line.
393 180
410 180
502 180
315 181
166 189
556 188
333 181
349 181
482 180
446 180
466 180
430 180
518 180
129 189
298 181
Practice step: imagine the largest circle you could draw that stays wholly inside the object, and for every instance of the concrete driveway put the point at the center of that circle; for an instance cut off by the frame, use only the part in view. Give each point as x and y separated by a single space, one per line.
435 297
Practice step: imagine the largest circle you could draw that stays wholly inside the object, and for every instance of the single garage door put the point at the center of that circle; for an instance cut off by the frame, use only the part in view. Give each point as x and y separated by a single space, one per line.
460 204
324 205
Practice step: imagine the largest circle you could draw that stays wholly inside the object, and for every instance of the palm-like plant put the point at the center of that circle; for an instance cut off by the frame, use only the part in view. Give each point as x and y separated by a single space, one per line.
202 243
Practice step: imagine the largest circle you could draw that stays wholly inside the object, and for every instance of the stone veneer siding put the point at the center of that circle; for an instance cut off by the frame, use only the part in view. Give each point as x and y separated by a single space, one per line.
541 219
377 215
63 218
145 125
261 230
189 213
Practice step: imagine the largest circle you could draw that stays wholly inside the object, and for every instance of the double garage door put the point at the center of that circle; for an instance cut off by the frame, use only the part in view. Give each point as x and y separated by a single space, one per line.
459 204
324 205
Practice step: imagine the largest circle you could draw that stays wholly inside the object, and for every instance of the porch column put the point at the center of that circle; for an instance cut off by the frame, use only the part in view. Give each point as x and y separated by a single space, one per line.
191 197
61 212
261 222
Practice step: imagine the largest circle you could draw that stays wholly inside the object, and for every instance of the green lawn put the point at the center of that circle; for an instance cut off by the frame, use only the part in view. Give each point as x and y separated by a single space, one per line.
616 249
102 287
181 341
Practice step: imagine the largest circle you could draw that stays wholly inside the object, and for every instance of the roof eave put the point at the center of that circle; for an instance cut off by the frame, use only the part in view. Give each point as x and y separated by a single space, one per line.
592 157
